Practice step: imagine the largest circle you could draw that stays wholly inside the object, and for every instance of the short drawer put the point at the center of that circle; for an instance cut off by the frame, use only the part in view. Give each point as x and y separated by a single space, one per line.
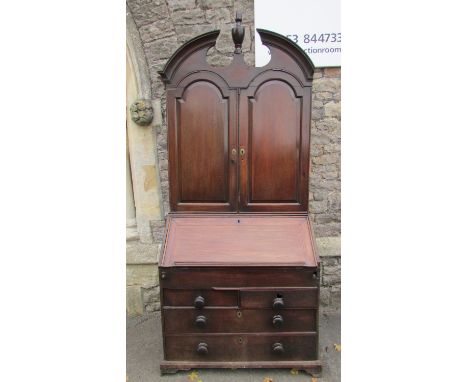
241 347
220 320
280 298
199 298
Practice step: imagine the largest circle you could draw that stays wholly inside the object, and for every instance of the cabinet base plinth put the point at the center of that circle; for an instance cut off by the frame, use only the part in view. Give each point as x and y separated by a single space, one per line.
313 368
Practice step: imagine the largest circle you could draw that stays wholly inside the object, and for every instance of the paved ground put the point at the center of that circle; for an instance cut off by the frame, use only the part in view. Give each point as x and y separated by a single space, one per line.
144 352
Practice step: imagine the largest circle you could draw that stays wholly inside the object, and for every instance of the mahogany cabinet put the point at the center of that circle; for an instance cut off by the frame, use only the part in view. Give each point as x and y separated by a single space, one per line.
239 271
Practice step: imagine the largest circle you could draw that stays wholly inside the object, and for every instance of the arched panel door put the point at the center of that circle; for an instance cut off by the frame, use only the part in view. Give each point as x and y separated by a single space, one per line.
274 141
202 129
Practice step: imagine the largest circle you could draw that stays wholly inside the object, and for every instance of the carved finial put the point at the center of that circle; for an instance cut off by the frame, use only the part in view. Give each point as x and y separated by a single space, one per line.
238 33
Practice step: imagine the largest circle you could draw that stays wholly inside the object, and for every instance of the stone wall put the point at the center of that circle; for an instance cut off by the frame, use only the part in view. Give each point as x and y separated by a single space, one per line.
165 25
325 148
142 277
330 272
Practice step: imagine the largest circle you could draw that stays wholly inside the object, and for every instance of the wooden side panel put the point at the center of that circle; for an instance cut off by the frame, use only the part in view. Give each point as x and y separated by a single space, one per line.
201 128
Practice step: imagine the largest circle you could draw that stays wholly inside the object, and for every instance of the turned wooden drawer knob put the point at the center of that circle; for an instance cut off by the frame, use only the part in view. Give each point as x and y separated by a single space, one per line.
278 303
200 321
202 348
278 321
278 348
199 302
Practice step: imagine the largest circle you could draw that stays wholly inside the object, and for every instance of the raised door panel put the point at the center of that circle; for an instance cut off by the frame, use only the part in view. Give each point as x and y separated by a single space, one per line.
201 120
274 135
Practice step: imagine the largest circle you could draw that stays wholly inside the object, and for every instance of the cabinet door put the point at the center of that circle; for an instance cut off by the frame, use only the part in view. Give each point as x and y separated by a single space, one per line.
274 139
202 132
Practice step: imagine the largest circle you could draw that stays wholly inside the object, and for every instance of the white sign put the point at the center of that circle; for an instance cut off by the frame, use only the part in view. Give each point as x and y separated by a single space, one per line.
315 25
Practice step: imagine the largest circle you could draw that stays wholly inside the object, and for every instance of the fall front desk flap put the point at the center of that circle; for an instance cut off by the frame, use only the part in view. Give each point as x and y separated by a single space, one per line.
239 240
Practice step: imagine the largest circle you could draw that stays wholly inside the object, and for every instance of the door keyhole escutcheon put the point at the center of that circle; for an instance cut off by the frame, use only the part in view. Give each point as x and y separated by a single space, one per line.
233 155
242 152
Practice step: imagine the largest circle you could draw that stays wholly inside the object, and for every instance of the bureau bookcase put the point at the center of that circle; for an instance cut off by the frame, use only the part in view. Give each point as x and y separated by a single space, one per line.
239 271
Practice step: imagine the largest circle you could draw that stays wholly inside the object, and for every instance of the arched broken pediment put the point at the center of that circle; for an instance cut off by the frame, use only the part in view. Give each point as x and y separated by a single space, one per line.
191 57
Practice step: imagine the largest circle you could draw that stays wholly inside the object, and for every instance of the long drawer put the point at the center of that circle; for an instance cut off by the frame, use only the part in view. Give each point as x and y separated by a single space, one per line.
209 277
220 320
241 347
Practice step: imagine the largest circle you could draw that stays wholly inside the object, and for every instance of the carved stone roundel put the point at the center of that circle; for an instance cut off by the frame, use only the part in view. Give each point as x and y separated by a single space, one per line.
142 112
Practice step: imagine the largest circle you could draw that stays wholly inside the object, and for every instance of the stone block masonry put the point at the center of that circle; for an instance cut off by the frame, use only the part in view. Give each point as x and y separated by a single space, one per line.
325 156
329 249
142 277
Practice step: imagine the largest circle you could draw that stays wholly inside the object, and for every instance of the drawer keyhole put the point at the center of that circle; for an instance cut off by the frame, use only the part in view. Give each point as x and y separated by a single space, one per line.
239 314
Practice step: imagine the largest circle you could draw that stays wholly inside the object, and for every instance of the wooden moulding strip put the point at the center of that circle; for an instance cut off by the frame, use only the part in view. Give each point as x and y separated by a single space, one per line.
246 334
266 289
309 366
